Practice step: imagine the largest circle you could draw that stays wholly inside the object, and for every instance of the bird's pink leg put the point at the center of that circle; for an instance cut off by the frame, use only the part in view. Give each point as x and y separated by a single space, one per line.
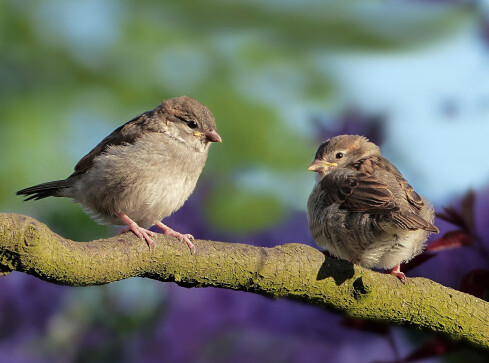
355 261
396 271
182 237
138 231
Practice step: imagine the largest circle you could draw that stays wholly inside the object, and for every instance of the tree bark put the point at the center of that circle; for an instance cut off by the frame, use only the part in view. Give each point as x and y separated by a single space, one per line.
293 271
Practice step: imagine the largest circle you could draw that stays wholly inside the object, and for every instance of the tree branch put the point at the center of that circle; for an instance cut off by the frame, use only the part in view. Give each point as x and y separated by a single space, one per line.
293 271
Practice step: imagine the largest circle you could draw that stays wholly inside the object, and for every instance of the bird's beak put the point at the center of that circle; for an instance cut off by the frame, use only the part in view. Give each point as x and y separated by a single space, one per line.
212 136
320 165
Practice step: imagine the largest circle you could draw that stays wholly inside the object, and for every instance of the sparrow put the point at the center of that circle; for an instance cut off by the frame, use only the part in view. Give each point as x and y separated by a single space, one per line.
143 171
362 209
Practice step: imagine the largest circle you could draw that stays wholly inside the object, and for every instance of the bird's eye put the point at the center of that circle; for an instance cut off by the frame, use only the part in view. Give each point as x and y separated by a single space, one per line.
192 124
339 155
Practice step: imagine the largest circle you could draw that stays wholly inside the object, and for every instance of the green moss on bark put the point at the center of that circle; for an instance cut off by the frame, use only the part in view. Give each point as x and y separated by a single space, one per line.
293 271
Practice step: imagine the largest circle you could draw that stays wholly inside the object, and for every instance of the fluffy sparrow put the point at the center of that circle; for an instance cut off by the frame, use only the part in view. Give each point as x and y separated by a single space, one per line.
143 171
362 209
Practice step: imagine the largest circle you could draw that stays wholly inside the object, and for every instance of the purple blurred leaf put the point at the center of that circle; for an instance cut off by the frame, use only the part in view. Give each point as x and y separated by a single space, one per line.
416 261
476 283
352 121
432 348
464 219
452 239
468 210
366 326
450 215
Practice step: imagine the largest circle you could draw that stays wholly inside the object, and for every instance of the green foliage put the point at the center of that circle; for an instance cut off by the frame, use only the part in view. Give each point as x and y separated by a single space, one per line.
232 210
73 71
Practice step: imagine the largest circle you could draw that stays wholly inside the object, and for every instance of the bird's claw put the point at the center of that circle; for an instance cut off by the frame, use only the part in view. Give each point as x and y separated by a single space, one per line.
143 233
183 238
401 276
355 261
396 271
180 236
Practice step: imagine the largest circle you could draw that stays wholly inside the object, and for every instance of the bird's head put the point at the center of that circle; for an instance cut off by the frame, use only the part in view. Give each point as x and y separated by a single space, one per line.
340 152
191 121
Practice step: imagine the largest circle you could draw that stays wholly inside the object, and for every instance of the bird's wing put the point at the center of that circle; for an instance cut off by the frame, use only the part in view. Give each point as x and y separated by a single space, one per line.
125 134
361 192
413 198
357 192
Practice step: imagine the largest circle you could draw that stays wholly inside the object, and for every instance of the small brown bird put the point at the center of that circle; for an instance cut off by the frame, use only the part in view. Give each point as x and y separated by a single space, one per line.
362 209
143 171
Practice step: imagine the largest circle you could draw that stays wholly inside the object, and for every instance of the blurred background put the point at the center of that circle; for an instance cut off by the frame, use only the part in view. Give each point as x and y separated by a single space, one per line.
280 77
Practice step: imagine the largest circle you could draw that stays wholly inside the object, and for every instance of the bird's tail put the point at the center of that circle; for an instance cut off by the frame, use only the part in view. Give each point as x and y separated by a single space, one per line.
49 189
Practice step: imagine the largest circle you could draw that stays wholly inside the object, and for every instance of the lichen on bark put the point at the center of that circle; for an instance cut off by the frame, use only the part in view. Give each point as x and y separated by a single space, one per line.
295 271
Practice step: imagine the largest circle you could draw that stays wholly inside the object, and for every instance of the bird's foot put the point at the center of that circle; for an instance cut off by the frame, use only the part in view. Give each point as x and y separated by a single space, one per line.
142 233
355 261
396 271
181 237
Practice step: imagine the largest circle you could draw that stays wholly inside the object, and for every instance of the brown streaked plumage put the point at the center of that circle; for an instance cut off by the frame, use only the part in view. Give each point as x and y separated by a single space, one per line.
362 209
143 171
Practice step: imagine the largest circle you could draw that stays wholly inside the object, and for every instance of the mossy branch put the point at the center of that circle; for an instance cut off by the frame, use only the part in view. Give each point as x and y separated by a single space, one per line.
293 271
